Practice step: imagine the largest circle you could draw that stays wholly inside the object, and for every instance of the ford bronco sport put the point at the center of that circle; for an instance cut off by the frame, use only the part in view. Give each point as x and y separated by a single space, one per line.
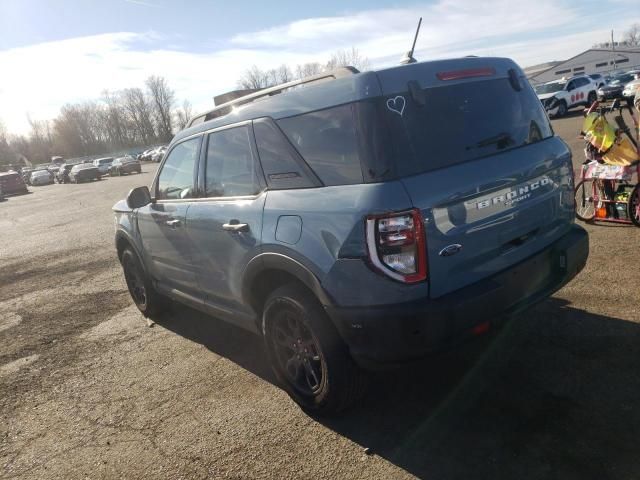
359 219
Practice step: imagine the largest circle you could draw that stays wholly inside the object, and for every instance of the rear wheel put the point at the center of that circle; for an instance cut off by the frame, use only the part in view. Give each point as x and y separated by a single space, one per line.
306 353
585 201
633 207
591 98
144 295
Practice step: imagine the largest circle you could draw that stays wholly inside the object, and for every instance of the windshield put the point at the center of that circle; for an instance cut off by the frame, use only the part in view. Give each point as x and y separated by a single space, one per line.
550 87
621 79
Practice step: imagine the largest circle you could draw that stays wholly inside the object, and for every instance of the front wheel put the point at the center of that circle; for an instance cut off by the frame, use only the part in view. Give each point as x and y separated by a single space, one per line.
633 207
562 109
307 355
585 201
142 291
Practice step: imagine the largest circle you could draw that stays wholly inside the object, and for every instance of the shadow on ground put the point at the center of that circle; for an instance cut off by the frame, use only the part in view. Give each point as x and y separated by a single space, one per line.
555 394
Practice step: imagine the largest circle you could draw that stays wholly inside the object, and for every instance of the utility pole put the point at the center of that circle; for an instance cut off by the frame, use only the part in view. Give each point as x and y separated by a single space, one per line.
613 51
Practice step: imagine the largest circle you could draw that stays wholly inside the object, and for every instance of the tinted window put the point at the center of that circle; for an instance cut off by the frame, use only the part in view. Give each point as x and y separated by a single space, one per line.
581 82
176 178
278 160
465 121
327 141
231 168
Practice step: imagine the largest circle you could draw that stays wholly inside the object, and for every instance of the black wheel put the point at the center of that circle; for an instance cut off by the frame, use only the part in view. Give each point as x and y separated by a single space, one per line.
592 97
562 109
144 295
585 206
633 207
306 353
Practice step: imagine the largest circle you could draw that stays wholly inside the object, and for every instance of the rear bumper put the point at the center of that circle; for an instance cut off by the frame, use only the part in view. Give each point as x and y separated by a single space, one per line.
392 334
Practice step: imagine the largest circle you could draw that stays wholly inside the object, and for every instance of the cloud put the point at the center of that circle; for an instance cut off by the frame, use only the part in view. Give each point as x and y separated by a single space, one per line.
39 79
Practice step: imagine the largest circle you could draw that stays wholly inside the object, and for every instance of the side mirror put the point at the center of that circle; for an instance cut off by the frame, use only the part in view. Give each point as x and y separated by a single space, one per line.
138 197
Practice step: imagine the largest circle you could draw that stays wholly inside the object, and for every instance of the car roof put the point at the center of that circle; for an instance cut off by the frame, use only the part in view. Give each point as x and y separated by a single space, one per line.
334 88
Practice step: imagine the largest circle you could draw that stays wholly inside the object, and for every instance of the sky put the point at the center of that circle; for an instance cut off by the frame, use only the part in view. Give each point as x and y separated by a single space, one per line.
54 52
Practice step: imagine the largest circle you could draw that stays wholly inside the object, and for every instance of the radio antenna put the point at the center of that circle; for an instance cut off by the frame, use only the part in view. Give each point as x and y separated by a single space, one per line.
408 57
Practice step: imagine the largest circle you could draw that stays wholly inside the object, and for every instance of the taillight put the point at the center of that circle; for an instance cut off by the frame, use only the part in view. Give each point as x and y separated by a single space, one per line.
397 246
468 73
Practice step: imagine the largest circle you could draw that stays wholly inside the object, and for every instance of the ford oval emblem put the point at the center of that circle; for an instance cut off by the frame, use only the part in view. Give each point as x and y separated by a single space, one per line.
450 250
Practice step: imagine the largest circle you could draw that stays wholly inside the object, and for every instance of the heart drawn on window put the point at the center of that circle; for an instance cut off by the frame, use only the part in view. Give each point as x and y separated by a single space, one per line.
396 104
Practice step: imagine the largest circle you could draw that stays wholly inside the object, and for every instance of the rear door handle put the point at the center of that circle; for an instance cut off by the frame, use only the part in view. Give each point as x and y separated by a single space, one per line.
174 223
235 226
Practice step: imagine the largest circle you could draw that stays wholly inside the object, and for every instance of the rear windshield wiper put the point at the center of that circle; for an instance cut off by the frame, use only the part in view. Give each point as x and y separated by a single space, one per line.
501 140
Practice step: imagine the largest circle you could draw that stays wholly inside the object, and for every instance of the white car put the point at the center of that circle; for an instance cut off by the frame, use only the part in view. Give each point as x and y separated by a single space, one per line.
103 164
158 154
559 96
40 177
630 90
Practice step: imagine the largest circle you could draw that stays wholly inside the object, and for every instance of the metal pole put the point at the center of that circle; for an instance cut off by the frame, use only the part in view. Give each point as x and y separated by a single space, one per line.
613 51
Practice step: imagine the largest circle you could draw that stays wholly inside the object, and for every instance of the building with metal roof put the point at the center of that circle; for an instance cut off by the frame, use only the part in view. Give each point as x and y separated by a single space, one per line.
594 60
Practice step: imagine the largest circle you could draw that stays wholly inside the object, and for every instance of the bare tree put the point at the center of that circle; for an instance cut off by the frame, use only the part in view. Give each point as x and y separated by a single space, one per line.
308 69
631 37
349 58
162 99
183 114
140 112
254 79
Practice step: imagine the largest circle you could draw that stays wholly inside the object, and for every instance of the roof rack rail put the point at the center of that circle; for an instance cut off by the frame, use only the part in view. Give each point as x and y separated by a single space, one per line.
226 108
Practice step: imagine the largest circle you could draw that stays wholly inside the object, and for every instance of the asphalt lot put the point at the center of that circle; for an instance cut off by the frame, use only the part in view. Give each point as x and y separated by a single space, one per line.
89 390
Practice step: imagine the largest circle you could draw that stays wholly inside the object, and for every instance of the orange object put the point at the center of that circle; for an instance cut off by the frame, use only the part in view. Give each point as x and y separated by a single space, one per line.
601 212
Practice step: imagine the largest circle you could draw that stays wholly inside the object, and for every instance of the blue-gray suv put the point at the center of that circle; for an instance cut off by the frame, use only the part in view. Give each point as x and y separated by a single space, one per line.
358 220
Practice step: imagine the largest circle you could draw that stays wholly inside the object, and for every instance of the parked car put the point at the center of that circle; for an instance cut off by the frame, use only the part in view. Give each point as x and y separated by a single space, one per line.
158 154
630 89
599 79
614 88
63 172
12 183
103 164
124 166
41 177
84 172
26 173
559 96
146 155
359 222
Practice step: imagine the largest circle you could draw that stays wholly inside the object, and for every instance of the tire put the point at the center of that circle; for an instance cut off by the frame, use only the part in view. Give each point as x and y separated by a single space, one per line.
562 109
585 204
592 97
307 355
142 291
633 207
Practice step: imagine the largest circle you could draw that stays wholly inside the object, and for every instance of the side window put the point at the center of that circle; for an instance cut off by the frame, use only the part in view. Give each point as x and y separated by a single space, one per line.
571 85
327 141
583 82
231 168
176 177
282 169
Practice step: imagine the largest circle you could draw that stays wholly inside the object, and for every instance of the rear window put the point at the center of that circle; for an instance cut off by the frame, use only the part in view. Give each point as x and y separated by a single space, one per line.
462 122
326 140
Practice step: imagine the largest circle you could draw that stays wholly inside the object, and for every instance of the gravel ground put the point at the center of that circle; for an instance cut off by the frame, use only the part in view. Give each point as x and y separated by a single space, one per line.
89 390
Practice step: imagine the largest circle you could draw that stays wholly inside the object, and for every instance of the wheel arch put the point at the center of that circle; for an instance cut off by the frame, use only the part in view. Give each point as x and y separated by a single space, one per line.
268 271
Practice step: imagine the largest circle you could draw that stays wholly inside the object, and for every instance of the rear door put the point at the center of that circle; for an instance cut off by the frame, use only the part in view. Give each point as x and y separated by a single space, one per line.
477 155
225 225
163 223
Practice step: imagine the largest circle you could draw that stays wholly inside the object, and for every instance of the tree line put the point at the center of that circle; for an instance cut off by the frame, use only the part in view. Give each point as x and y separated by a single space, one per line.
630 38
137 116
118 120
255 78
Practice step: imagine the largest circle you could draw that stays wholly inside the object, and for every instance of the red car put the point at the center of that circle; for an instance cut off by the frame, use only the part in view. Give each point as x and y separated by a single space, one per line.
11 183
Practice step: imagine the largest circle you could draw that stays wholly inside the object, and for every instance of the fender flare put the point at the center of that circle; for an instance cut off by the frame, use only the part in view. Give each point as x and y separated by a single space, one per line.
123 235
279 261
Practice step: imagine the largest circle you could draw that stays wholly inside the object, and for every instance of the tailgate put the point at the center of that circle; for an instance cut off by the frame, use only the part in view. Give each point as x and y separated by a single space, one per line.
499 210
